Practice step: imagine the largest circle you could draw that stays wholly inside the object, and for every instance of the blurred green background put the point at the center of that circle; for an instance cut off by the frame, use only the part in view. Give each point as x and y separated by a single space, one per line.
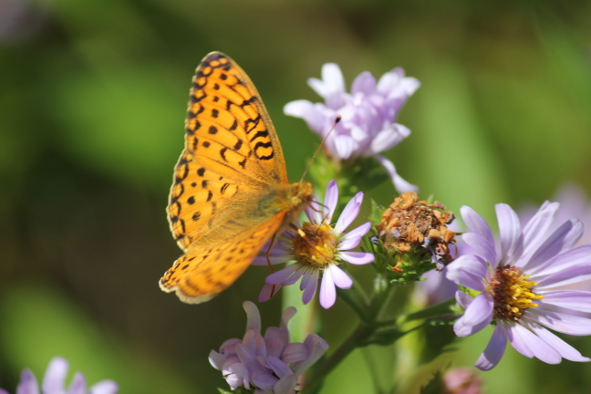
92 101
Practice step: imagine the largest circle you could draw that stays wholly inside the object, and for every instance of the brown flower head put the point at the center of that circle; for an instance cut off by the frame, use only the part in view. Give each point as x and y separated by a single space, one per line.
413 226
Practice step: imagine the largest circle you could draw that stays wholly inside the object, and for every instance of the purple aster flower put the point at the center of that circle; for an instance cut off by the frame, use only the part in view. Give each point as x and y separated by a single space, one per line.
317 247
368 115
516 285
269 364
53 382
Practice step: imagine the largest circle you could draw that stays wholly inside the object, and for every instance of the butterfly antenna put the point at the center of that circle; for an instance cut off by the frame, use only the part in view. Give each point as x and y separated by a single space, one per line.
334 125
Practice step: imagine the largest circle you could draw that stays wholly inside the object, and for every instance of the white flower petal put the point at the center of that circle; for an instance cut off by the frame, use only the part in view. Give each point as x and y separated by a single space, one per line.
365 83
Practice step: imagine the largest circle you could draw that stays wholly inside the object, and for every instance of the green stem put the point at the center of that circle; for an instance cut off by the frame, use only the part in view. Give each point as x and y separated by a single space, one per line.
313 383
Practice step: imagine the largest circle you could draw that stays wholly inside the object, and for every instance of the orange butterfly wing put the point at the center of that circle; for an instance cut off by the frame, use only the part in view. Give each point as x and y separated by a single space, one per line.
230 192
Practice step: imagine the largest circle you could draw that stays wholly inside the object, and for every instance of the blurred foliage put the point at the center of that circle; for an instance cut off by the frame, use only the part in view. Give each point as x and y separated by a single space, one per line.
92 101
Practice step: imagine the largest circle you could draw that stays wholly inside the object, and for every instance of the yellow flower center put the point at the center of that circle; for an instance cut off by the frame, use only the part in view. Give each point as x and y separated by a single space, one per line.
315 244
511 292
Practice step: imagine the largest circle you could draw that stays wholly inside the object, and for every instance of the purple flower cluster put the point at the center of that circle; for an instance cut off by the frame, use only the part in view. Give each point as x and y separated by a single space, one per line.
269 363
53 382
368 115
516 284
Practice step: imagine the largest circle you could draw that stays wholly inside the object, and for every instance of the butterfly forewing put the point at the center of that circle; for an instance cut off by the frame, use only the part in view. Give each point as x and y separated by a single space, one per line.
231 162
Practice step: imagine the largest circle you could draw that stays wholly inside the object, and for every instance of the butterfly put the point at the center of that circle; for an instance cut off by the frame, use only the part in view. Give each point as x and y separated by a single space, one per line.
230 193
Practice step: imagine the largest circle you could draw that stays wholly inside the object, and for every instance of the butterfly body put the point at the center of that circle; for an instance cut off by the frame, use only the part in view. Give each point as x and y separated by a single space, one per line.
230 192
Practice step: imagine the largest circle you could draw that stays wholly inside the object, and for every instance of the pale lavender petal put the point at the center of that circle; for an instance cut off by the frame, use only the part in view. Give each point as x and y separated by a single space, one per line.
340 277
264 380
463 299
494 350
288 275
294 352
309 112
331 198
356 258
345 146
253 317
349 213
540 349
328 293
566 351
239 376
350 243
399 183
477 316
279 367
28 383
365 83
509 233
572 299
468 271
53 381
309 285
516 339
535 230
481 247
390 80
556 243
351 239
78 385
572 266
104 387
268 291
388 138
285 385
314 211
216 360
561 322
332 78
2 391
254 342
316 348
286 316
229 345
275 341
478 225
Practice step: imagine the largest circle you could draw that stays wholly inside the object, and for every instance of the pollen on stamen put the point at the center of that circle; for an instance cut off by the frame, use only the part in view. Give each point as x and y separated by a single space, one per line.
315 244
512 293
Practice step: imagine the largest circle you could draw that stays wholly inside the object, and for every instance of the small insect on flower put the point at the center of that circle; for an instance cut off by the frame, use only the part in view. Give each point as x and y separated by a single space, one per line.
317 248
368 126
269 364
53 382
413 226
515 285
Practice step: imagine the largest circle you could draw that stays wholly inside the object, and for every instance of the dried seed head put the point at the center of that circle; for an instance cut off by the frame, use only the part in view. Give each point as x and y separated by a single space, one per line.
410 225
